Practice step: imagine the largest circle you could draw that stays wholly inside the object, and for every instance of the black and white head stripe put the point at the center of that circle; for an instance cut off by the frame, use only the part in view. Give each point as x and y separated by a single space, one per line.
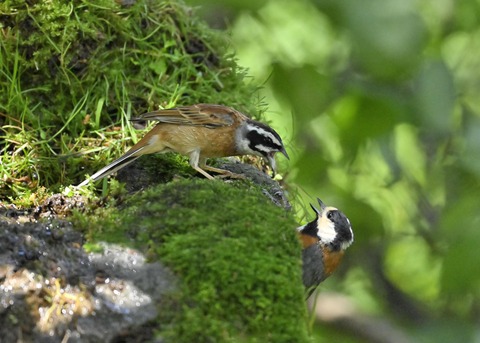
331 227
262 138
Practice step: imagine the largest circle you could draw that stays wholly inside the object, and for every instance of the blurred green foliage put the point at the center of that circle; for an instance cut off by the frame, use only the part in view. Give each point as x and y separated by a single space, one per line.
379 100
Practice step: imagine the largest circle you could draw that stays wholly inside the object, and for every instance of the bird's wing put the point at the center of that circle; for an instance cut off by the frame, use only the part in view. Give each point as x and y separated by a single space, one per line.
207 115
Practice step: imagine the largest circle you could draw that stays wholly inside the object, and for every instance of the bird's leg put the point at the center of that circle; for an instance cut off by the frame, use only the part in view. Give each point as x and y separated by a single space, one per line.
223 173
203 166
194 158
204 173
199 164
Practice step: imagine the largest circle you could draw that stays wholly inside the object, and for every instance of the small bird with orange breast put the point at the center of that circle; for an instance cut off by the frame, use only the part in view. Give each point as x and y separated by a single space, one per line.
324 241
201 131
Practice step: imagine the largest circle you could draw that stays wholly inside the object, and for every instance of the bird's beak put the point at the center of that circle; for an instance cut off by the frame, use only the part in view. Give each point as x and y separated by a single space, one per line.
322 205
284 152
315 209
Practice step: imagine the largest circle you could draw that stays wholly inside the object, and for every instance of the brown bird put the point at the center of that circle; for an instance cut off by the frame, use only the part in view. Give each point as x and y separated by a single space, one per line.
324 241
201 131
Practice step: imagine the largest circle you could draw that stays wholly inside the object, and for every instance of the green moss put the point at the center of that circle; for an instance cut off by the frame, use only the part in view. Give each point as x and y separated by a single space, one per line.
237 256
73 74
154 169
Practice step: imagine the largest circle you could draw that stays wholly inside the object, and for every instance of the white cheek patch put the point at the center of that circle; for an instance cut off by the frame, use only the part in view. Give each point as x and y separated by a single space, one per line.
326 230
263 148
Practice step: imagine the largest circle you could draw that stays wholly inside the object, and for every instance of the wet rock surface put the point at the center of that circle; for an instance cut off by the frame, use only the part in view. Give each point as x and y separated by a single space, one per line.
51 290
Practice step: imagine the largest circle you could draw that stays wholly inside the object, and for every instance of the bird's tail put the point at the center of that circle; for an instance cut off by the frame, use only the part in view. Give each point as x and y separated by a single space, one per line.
126 159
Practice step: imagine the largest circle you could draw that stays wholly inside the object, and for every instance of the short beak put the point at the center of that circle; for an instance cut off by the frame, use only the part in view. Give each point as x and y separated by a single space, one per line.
284 152
322 205
315 209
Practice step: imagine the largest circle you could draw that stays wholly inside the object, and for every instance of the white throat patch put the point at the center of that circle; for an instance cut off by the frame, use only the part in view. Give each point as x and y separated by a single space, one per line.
326 228
326 231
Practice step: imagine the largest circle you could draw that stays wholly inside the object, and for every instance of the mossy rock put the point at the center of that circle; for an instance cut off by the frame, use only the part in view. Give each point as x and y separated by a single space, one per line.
235 252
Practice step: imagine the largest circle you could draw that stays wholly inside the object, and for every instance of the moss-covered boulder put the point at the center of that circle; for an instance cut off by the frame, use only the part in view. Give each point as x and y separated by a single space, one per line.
236 255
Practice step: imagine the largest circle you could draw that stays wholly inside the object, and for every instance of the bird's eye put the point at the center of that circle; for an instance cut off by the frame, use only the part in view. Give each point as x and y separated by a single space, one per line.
330 215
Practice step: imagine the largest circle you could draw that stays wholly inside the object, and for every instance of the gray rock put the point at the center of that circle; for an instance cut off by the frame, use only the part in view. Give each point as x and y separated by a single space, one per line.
51 290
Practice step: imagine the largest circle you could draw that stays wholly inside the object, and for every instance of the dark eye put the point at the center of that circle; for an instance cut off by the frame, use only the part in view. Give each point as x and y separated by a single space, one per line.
330 215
